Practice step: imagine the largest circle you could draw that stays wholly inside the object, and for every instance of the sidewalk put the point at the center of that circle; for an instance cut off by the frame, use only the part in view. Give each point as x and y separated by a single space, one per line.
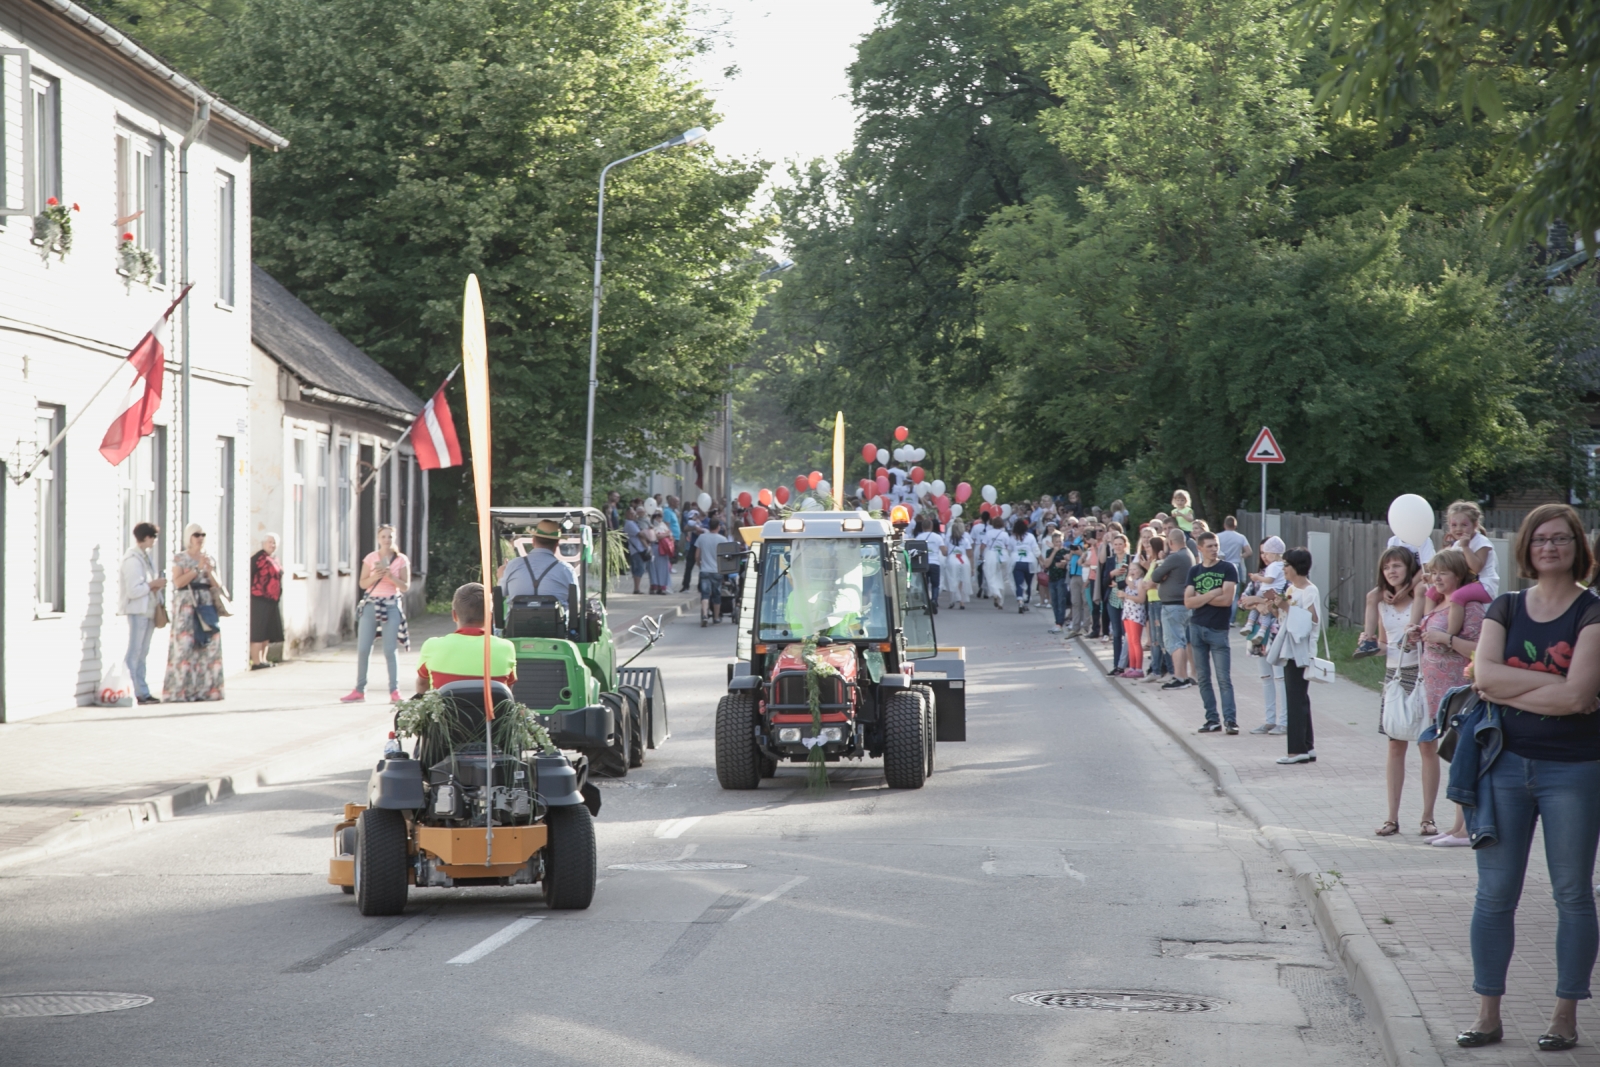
1410 901
78 776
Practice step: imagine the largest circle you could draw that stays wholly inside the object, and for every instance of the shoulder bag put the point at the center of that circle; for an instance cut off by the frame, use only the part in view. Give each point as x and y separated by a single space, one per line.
1322 668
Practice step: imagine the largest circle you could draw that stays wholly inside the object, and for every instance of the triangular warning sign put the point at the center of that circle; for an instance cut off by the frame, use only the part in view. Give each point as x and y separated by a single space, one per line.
1265 450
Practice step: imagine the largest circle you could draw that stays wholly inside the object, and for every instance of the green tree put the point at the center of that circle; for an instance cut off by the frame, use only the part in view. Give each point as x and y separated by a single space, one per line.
189 34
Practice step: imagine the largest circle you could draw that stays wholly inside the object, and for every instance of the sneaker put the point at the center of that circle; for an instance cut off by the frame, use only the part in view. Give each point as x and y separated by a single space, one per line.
149 699
1133 672
1054 630
1190 683
355 696
394 696
1264 728
1230 728
1278 731
1303 757
1115 672
1449 841
703 621
1368 646
1175 683
1210 728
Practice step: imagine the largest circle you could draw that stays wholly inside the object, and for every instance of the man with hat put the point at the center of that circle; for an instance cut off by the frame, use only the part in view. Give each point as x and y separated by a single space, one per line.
541 572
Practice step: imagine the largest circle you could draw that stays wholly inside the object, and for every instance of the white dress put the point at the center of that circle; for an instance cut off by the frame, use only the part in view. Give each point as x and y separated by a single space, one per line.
957 573
997 568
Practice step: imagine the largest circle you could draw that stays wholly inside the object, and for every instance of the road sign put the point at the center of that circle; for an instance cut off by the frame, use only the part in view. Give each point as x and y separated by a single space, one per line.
1265 450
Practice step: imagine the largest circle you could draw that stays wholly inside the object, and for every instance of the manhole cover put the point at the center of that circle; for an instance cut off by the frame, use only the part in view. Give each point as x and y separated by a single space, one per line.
678 865
20 1005
1128 1000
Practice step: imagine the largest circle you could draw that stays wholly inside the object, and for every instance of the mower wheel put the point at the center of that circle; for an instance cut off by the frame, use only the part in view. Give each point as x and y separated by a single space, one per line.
570 867
381 862
614 762
638 729
738 759
905 743
769 766
930 704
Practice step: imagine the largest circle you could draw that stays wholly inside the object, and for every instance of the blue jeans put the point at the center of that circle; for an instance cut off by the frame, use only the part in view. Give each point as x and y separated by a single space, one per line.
366 633
1210 649
1567 797
1114 625
1058 599
140 629
1174 627
933 583
1022 578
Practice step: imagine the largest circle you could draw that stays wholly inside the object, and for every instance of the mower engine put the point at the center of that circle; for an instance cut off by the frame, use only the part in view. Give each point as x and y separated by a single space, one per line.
464 793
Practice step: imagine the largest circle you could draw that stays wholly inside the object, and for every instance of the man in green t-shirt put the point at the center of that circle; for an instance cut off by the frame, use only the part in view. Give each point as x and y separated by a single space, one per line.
459 656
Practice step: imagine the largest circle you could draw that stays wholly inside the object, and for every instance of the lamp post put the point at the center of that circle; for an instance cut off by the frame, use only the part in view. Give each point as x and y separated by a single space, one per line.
688 137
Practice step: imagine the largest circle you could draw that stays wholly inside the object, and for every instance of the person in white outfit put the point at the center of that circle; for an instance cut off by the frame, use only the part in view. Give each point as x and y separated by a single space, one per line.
997 561
141 586
957 574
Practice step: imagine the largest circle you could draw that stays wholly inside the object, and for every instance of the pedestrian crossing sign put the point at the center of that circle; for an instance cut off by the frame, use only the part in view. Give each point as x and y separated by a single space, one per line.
1265 450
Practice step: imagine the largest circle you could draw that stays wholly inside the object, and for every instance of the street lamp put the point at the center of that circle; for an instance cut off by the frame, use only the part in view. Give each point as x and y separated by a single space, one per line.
688 137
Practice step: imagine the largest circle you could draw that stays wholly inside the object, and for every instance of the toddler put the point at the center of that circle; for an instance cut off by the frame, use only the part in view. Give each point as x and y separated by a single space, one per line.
1464 526
1269 579
1182 513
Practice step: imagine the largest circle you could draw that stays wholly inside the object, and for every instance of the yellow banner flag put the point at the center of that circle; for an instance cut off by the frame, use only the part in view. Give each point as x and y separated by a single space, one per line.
838 462
475 374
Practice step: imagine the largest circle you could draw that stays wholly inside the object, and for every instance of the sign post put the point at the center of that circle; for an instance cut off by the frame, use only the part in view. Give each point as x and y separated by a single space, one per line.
1264 451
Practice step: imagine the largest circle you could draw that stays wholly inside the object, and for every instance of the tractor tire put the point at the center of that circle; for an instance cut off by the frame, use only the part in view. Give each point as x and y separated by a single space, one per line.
570 867
738 758
614 762
381 862
905 742
930 701
769 766
638 727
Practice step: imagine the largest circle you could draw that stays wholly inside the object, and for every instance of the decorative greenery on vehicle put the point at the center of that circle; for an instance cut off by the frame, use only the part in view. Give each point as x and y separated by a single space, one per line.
433 719
817 669
52 230
134 263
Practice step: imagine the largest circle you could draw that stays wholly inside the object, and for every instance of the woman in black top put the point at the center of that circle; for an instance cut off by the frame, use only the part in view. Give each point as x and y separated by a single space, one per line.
1538 658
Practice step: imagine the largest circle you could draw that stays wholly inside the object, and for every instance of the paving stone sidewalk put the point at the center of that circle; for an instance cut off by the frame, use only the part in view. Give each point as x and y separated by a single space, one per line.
1416 900
71 769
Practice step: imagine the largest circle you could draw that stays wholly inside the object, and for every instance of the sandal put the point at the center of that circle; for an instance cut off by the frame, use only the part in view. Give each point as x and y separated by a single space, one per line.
1429 828
1388 829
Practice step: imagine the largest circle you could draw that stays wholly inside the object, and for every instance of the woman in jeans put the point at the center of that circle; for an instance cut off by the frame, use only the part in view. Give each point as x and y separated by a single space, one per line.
1539 660
1054 565
385 576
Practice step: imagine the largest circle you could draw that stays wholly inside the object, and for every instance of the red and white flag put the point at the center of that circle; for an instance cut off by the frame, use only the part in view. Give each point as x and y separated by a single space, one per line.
433 435
137 417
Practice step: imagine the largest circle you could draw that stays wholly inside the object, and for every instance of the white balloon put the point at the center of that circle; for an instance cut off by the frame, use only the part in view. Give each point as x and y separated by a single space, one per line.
923 488
810 504
1005 511
704 500
919 454
938 487
1411 518
955 511
989 494
875 504
883 457
823 488
900 453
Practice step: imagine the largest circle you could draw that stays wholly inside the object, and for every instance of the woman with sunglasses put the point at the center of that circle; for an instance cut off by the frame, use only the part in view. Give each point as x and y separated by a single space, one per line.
194 652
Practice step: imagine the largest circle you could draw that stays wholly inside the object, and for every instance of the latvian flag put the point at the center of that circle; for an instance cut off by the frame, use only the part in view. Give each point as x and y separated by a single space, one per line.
433 435
138 414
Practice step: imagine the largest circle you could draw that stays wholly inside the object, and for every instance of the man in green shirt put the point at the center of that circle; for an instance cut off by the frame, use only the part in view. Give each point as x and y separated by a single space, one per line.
459 656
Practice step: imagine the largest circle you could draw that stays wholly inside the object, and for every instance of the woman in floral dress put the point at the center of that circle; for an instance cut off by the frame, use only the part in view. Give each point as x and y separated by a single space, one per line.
194 654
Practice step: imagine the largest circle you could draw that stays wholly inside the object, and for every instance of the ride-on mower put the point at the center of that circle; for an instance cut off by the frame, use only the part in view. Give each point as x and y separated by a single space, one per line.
566 657
836 651
473 804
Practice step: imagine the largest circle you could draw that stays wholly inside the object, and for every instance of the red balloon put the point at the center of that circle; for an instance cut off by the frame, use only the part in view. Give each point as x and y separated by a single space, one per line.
758 514
883 484
869 452
813 479
983 509
901 433
782 494
800 483
942 502
917 474
963 490
765 496
744 500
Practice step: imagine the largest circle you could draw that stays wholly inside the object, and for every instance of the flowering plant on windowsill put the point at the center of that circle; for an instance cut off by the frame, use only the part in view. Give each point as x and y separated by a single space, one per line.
52 230
135 264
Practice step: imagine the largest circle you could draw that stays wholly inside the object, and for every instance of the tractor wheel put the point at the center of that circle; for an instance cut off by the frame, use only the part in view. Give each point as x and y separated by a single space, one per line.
738 758
614 762
570 867
381 862
930 701
905 743
769 766
638 728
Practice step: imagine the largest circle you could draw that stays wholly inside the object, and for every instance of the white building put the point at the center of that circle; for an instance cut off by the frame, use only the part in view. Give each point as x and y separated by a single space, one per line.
130 146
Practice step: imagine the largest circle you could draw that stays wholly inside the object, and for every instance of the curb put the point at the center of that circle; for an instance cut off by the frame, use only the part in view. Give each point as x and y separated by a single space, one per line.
670 610
1372 974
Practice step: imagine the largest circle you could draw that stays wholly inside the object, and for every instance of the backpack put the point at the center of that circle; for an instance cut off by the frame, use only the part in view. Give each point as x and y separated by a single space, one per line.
665 546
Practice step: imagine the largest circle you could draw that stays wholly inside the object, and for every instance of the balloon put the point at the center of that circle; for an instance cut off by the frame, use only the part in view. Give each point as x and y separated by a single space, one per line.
882 483
901 433
744 500
918 455
1005 511
983 509
758 514
989 494
782 494
812 479
917 474
800 483
1411 518
765 496
938 486
883 457
704 500
823 487
875 504
940 500
922 489
810 504
963 491
956 510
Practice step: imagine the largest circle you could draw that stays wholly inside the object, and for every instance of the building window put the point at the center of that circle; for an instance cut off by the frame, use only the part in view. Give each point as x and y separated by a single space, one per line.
419 521
402 538
222 533
324 510
297 490
144 489
15 141
343 541
140 199
46 139
225 230
50 552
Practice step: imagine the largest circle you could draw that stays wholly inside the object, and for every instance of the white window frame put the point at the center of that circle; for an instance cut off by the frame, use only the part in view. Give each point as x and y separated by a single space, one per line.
16 133
346 503
141 193
324 509
227 228
297 504
50 515
46 103
226 498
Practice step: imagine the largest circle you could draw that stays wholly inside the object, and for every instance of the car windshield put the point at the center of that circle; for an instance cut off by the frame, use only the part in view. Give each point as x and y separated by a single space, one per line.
831 586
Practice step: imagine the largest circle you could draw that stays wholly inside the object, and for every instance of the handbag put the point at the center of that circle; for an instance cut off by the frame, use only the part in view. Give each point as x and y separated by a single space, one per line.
1322 669
205 624
161 616
1404 714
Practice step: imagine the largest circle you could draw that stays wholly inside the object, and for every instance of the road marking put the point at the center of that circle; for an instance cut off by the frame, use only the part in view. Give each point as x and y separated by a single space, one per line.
503 936
693 940
676 827
769 898
370 931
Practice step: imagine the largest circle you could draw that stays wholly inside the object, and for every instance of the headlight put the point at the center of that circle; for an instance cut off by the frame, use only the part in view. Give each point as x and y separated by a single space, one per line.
832 733
789 734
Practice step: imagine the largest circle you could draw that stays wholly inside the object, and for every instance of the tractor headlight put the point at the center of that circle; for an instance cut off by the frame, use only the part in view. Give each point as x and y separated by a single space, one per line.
789 735
832 733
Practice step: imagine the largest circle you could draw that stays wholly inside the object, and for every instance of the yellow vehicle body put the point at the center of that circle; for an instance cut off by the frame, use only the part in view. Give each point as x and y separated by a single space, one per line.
463 852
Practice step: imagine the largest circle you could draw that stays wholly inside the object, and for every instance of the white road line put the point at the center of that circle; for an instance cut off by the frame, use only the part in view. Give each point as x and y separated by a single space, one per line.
676 827
503 936
769 898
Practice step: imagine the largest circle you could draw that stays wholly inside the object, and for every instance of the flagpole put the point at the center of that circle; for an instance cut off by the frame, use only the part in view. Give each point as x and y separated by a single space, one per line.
44 452
362 488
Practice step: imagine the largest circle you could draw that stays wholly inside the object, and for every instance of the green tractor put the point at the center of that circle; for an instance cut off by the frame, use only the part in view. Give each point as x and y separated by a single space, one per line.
567 668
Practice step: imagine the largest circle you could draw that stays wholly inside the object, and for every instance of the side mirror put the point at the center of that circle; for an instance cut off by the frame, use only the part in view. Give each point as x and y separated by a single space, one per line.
730 557
918 551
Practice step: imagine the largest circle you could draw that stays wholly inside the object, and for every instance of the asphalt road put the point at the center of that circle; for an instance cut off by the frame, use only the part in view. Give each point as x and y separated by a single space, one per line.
1068 846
